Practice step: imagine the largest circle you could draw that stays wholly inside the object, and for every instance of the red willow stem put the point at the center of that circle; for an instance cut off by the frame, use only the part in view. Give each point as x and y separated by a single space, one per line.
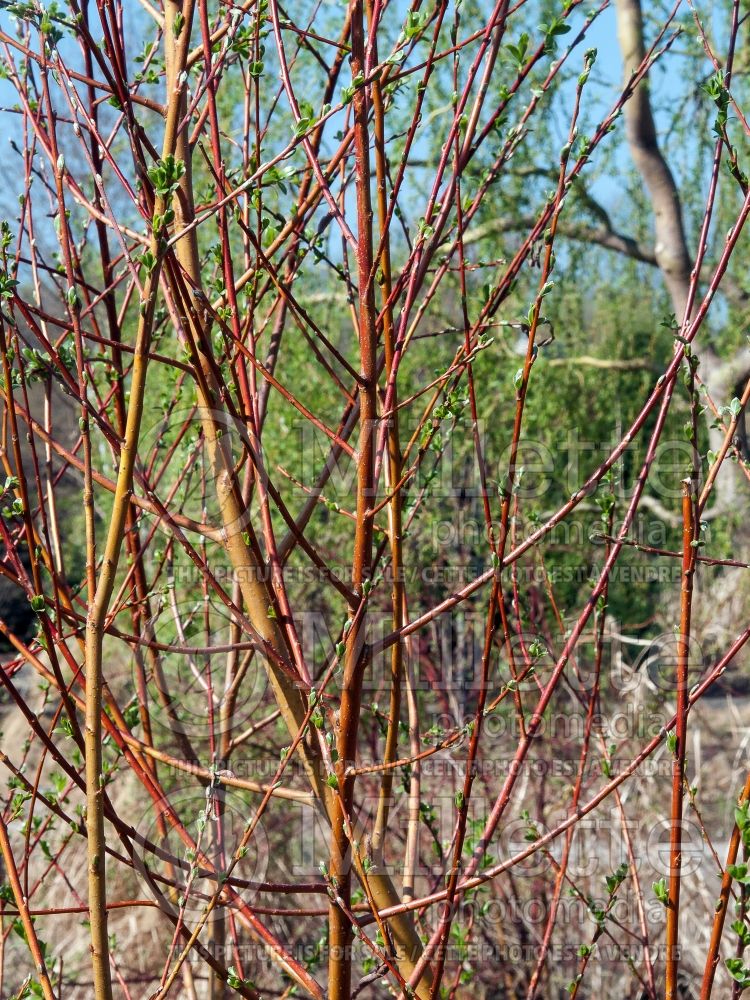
721 909
23 909
679 751
339 968
394 457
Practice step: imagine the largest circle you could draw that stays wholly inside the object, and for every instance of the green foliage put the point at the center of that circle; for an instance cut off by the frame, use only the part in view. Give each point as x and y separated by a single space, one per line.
166 175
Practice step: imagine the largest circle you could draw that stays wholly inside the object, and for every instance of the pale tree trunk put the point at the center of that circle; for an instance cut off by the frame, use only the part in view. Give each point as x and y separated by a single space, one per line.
723 377
670 248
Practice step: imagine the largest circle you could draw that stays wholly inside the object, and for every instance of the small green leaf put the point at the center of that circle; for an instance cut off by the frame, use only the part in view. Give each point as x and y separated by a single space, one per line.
660 890
739 873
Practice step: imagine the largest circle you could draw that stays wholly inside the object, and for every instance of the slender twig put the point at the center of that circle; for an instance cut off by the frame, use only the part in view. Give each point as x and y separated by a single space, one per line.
679 749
